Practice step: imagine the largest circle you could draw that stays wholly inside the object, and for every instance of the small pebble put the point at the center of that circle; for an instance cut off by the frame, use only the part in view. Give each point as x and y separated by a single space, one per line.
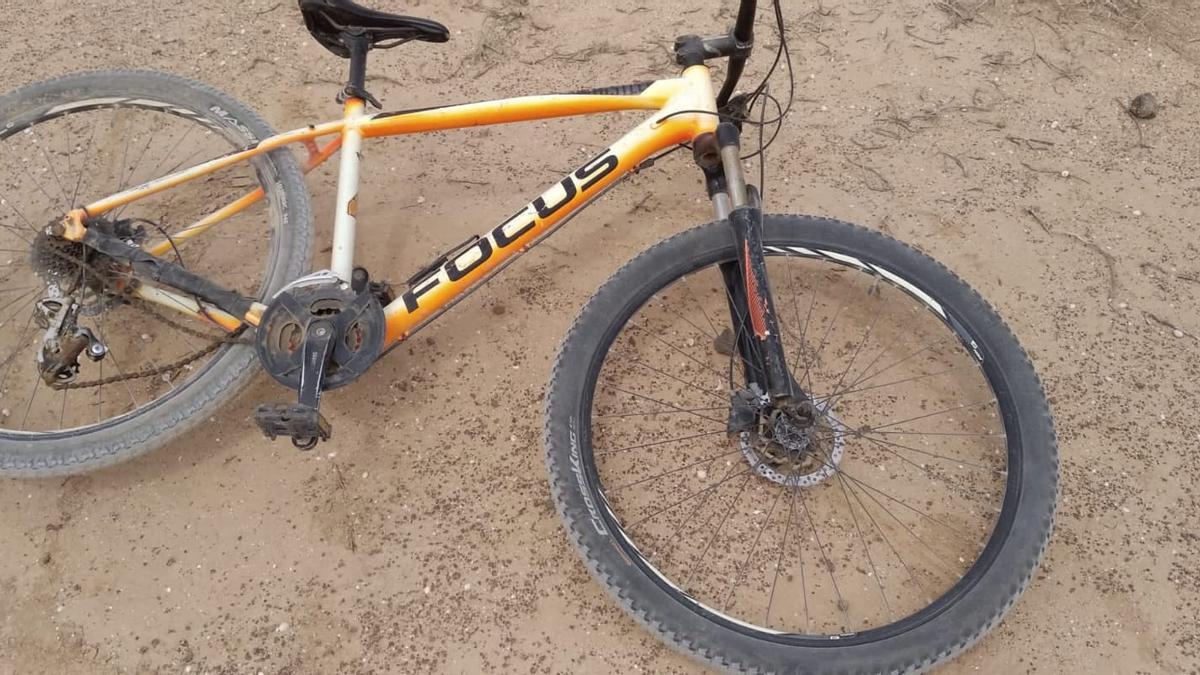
725 342
1066 174
1144 107
701 474
1137 212
1178 333
282 627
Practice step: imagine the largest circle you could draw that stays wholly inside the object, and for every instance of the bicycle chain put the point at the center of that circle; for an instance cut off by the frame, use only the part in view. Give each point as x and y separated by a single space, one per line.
152 371
170 367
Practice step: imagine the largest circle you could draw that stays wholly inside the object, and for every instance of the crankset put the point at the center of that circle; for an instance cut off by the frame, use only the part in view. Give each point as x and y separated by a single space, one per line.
318 333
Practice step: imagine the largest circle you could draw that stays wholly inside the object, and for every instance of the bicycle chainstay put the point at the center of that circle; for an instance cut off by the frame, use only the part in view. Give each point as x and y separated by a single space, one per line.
154 371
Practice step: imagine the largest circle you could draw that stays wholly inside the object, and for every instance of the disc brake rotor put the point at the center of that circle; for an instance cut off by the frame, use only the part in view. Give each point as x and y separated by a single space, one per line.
795 455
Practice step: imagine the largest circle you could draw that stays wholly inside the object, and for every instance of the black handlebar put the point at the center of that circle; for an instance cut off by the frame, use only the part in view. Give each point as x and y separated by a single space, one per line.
693 50
743 30
743 34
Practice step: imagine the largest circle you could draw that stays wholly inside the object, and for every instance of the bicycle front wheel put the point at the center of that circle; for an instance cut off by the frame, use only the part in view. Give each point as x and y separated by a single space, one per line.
68 141
887 534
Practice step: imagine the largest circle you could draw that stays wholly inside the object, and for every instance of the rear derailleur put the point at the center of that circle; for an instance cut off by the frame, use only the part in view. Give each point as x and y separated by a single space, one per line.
318 333
64 341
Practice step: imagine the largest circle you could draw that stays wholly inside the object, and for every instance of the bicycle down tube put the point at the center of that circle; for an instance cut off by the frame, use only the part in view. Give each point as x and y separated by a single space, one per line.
443 285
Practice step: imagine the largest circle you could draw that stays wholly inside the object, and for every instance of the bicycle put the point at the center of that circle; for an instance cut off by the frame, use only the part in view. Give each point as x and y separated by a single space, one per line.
743 375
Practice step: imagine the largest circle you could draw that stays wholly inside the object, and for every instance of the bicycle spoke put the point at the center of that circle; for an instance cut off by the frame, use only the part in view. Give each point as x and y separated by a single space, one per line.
887 541
49 164
133 167
116 364
680 380
688 498
663 403
903 525
787 526
36 183
892 365
86 154
667 411
676 349
962 406
893 444
711 540
691 513
687 287
980 434
820 347
28 296
662 442
14 290
688 322
753 547
154 170
866 549
892 498
100 395
685 467
841 600
858 348
804 330
12 358
37 381
846 392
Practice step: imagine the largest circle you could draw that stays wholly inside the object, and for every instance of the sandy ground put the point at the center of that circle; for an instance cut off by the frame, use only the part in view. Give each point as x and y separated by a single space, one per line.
423 538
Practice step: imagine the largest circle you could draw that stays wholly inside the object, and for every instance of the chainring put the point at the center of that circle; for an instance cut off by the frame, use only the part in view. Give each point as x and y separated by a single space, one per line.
357 317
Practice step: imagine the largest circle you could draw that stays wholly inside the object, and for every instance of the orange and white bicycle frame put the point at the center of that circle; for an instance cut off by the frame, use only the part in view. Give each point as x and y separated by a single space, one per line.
685 108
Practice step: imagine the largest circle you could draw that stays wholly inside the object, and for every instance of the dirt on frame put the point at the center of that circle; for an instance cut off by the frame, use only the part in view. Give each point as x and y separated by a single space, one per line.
990 133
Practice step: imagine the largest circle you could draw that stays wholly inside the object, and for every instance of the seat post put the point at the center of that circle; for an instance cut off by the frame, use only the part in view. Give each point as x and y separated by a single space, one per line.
356 86
359 45
345 218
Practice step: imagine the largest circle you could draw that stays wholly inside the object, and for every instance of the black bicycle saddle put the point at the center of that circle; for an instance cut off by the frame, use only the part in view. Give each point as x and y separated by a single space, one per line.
330 20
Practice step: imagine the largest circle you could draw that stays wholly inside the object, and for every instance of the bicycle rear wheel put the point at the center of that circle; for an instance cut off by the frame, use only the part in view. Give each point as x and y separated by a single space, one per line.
885 536
67 141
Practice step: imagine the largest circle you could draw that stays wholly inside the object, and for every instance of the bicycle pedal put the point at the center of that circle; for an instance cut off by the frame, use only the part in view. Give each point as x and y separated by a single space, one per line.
305 425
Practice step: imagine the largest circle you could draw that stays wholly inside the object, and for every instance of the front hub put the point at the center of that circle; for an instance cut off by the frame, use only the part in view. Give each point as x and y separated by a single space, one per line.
798 446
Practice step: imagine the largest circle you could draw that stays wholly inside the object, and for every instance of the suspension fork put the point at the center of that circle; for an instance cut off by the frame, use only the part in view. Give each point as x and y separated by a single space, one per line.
751 304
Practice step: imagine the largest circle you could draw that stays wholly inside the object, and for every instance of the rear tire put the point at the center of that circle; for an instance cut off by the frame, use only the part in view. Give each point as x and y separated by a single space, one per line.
954 621
144 428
